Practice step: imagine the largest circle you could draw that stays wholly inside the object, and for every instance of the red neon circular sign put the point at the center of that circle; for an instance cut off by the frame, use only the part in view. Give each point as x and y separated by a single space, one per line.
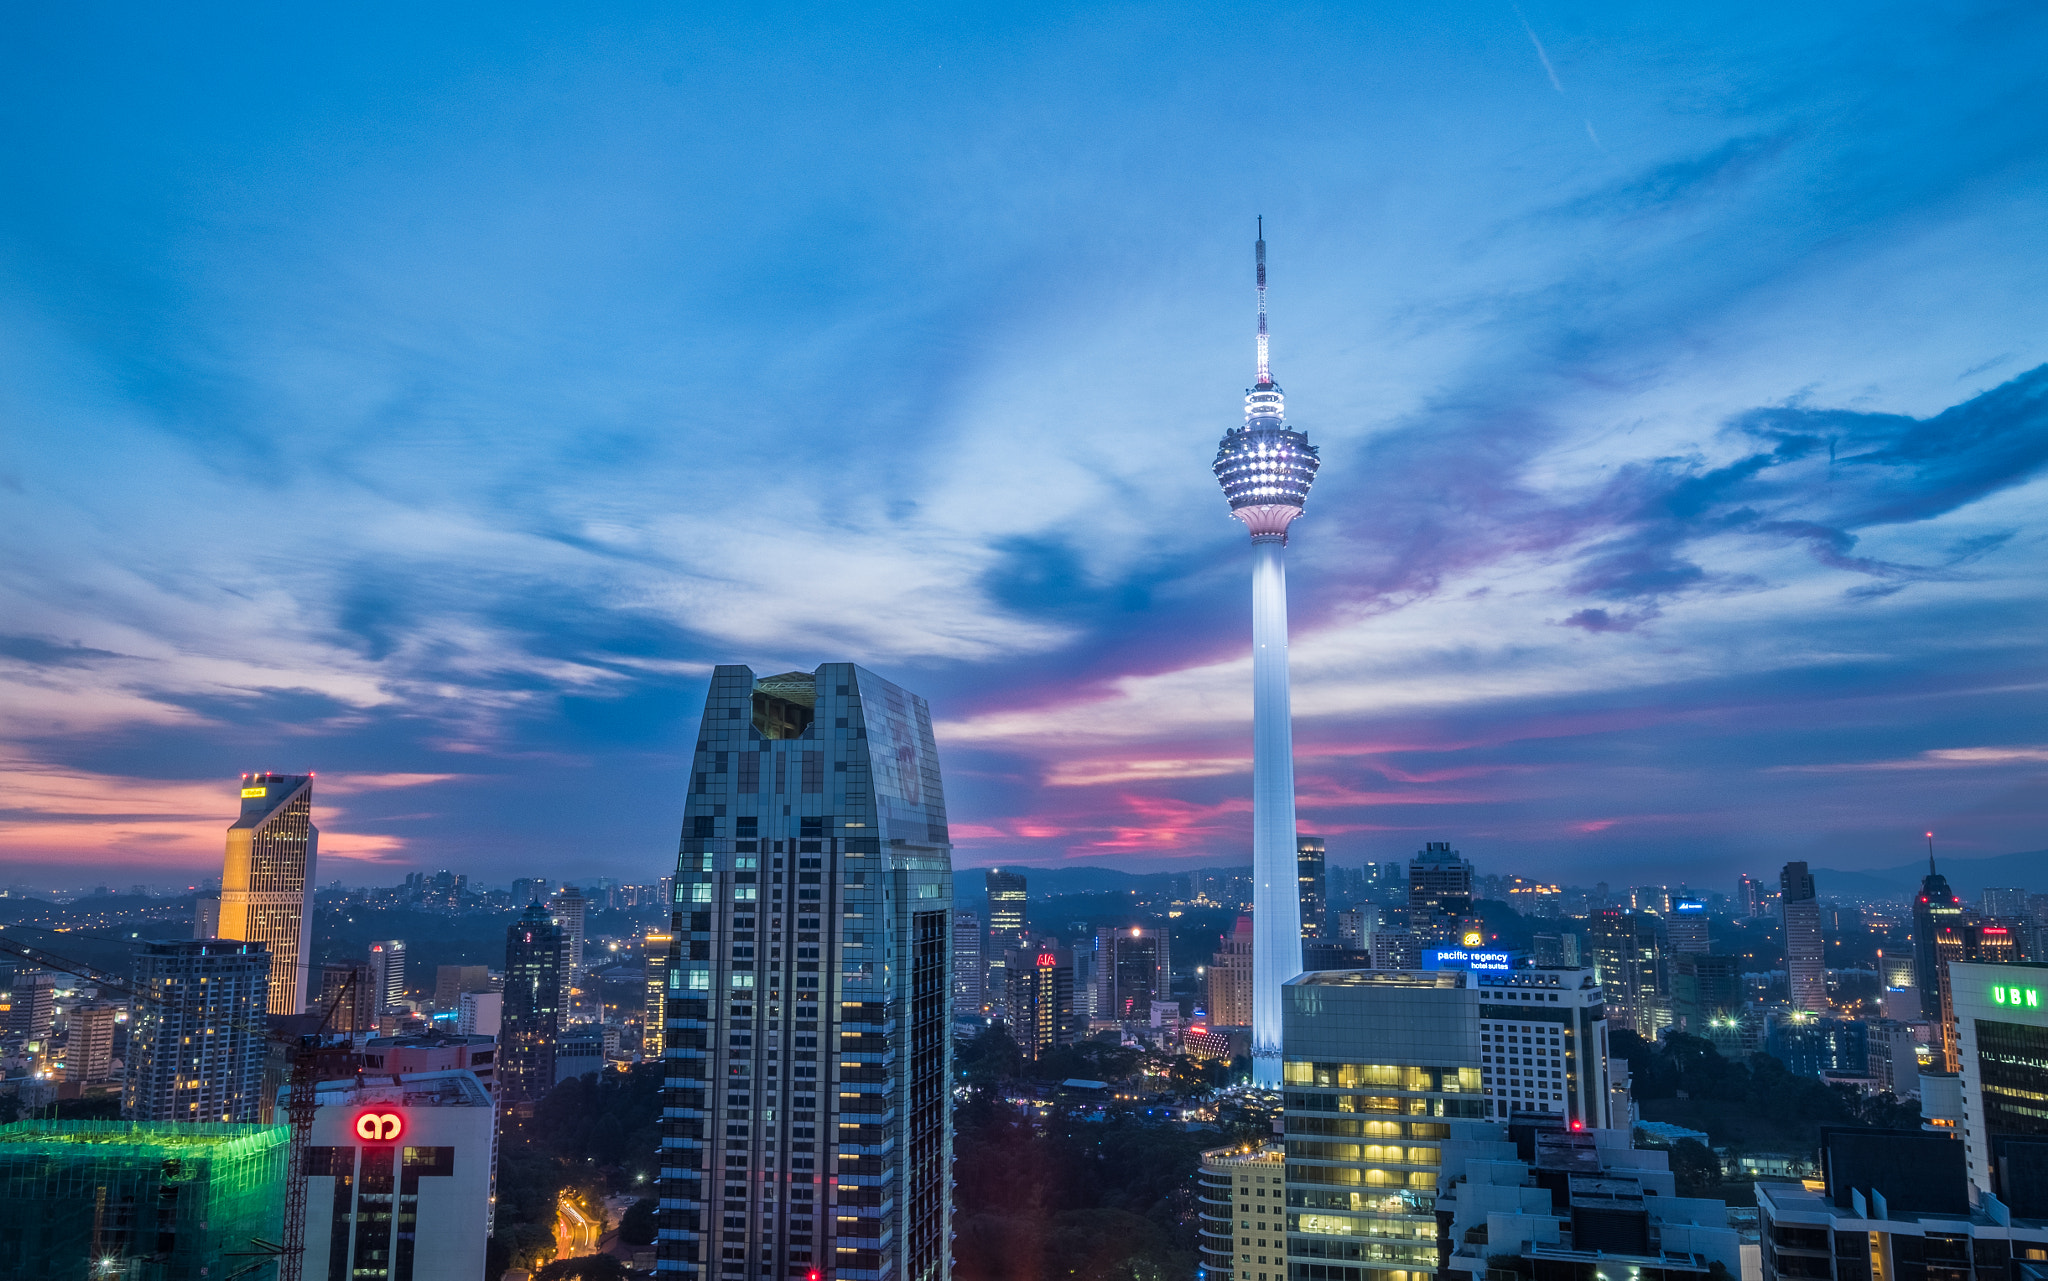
379 1127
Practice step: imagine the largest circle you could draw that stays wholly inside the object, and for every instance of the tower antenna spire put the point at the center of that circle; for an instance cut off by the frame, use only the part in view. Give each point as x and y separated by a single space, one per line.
1930 853
1265 367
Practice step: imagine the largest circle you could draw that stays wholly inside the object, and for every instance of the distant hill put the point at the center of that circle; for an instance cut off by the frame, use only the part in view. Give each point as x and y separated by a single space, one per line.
1969 877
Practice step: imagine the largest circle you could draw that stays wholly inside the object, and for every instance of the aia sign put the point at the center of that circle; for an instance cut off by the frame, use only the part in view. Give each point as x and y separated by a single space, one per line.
379 1127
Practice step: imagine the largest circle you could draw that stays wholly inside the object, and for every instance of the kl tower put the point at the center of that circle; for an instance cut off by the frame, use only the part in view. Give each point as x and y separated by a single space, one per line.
1266 469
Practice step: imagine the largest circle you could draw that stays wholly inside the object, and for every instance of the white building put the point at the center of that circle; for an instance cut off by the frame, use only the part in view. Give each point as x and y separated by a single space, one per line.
481 1013
1543 1045
2001 1014
401 1172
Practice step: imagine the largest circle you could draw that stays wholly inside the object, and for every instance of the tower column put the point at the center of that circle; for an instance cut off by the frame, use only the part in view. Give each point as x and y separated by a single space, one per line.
1276 898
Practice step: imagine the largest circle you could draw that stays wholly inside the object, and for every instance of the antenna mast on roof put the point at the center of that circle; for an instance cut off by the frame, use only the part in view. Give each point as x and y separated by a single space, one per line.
1265 367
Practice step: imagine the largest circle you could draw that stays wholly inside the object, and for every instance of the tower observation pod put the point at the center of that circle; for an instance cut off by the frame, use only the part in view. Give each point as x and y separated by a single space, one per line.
1266 468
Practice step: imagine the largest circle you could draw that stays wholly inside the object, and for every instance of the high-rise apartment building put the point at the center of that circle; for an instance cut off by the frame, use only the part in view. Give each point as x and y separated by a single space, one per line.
266 882
1627 957
89 1041
1315 898
1806 965
807 1085
399 1176
2005 906
571 912
1006 930
1439 895
2001 1020
198 1039
969 973
1934 907
32 1003
1230 979
1543 1044
387 973
655 948
355 1014
535 957
1133 969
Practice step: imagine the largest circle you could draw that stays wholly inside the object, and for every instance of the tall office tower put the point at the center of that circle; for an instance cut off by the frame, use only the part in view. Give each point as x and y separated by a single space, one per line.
1750 898
1006 931
968 973
1439 894
1654 899
32 1003
266 882
1133 969
89 1041
1041 1002
571 910
808 1061
400 1170
387 973
655 948
1230 978
1686 927
1806 963
2001 1019
1315 898
355 1014
535 955
1393 1058
528 889
2006 906
1356 927
1627 958
1934 907
1266 469
451 981
1543 1044
196 1047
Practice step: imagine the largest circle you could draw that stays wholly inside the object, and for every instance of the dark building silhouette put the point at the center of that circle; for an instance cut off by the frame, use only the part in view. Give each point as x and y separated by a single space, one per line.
535 953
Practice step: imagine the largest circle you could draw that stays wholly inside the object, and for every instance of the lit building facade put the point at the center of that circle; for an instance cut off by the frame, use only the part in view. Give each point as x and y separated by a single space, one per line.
1266 468
970 975
400 1176
1133 969
1229 979
2001 1021
531 1016
1041 999
1006 930
1806 965
1627 955
655 949
387 973
353 1014
197 1044
1312 873
1382 1068
572 911
266 880
1543 1045
808 1023
1241 1207
89 1041
1935 907
1439 896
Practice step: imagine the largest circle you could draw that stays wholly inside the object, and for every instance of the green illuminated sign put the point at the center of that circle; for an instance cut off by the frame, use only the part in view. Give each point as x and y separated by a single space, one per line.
2030 997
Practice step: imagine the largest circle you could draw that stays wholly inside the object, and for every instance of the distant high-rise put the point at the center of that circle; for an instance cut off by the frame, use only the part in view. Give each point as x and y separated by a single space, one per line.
1266 468
32 1007
655 949
969 975
808 1062
535 955
1934 908
355 1015
1627 957
1041 1000
1133 968
1750 896
387 973
1230 979
1687 928
2006 906
451 981
89 1041
571 910
1439 894
1006 930
1315 899
1805 945
266 882
197 1046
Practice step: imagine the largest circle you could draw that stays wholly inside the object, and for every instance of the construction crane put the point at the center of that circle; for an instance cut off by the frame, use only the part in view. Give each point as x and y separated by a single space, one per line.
306 1056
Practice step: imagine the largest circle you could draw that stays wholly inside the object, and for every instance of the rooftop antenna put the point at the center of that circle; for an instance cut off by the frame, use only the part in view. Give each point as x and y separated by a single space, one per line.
1930 853
1265 368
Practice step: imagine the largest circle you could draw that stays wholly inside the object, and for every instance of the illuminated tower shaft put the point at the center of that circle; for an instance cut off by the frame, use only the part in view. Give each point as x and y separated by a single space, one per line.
1266 469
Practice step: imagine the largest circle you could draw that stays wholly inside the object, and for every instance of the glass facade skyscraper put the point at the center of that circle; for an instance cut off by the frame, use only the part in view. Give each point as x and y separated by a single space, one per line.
805 1109
266 880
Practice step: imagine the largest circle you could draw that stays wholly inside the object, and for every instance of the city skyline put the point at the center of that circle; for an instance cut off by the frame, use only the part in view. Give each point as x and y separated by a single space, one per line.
1682 381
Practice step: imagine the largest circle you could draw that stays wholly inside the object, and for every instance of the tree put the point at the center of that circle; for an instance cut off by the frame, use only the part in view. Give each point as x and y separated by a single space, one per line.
636 1226
1695 1169
584 1267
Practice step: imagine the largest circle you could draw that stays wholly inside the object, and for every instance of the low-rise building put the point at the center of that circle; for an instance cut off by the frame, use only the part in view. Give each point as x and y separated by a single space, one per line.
434 1052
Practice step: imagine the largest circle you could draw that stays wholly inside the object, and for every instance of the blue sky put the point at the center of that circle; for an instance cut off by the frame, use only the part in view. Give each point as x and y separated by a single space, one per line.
429 399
